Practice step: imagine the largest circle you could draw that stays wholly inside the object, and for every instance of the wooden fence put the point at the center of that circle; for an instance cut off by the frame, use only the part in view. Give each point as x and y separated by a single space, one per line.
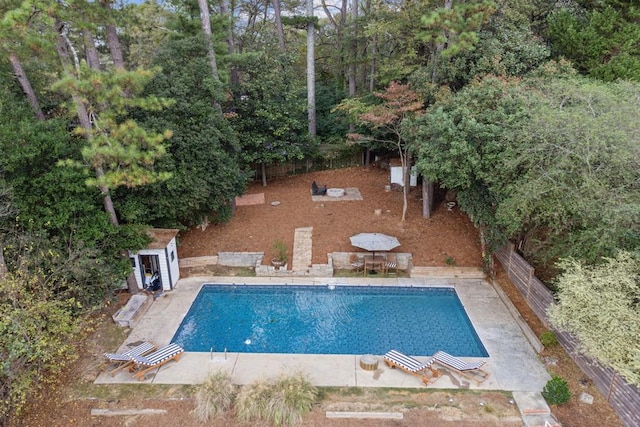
294 167
622 396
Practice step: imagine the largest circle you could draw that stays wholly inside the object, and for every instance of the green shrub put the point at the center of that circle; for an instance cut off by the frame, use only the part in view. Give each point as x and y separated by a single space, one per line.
281 251
214 396
548 338
282 403
37 336
556 391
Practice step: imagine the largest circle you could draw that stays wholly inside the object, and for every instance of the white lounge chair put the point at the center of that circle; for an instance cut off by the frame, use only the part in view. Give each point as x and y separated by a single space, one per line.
470 370
422 370
144 364
123 360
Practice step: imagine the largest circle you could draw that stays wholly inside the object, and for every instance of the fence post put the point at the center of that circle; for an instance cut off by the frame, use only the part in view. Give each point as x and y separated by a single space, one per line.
613 380
531 270
509 262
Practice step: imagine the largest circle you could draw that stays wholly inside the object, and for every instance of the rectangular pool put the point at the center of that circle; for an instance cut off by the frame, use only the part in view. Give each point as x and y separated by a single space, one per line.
328 320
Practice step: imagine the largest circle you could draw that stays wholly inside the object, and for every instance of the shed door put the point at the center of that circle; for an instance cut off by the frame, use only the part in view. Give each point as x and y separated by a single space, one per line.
150 268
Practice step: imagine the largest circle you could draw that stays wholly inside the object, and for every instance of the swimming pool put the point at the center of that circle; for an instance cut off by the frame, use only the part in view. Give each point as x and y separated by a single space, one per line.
328 320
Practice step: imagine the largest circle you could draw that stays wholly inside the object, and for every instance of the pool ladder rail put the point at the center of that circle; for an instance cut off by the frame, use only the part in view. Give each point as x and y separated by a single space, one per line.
213 349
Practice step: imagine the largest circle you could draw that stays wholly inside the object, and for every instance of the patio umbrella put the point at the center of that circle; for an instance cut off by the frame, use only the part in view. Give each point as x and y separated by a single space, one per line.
374 242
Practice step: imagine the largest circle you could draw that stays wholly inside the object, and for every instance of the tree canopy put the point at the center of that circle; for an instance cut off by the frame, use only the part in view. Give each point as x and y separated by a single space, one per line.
599 304
204 152
551 163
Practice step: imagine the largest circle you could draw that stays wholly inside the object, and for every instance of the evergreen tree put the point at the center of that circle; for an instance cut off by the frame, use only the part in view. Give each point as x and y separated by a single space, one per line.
203 154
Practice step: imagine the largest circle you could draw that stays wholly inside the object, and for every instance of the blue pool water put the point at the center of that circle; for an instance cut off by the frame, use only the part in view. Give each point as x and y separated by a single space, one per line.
320 320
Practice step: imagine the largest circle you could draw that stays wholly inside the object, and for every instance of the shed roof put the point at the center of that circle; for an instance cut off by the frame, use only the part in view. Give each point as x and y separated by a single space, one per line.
161 237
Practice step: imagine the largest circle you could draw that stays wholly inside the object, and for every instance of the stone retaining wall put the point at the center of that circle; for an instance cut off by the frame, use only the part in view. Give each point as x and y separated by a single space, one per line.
316 270
240 259
335 260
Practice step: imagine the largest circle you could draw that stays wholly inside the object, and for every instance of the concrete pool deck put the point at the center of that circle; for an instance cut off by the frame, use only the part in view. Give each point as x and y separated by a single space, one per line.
513 364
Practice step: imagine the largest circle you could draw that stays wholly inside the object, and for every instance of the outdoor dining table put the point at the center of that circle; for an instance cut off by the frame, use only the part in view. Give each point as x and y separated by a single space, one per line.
374 264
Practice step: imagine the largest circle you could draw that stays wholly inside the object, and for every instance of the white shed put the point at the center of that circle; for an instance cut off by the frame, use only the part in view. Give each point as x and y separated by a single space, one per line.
159 261
396 176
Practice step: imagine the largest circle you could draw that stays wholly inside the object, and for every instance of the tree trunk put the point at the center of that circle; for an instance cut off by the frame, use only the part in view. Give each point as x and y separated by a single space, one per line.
406 180
234 75
329 15
91 52
372 71
18 71
276 10
114 47
427 197
3 264
263 173
205 20
311 72
113 41
64 48
448 4
354 49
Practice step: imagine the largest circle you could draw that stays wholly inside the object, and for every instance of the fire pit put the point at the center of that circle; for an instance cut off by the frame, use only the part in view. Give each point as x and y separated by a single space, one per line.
335 192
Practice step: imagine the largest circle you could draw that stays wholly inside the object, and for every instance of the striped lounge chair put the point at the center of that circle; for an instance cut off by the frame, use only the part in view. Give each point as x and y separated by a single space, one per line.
470 370
422 370
123 360
143 364
391 265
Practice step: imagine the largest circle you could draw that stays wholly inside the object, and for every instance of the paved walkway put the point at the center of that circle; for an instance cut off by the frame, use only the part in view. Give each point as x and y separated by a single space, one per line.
302 245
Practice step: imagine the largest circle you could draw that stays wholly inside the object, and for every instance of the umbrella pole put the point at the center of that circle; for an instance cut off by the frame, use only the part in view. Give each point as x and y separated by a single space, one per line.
373 259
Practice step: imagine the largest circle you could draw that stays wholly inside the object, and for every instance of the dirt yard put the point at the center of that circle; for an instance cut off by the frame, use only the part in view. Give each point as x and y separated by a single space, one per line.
446 238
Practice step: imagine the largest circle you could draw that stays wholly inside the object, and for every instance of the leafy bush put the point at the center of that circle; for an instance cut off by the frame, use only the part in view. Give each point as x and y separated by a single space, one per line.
598 304
548 338
37 333
283 402
214 396
556 391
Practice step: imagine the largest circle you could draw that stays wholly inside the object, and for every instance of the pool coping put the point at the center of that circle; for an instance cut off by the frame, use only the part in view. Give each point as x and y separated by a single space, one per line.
512 363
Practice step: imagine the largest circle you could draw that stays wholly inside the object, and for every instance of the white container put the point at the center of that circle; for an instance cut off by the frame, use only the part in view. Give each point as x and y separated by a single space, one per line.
396 176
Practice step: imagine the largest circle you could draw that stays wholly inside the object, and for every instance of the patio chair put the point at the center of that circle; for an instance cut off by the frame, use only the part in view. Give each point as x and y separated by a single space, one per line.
123 360
391 264
422 370
357 263
143 364
470 370
318 191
